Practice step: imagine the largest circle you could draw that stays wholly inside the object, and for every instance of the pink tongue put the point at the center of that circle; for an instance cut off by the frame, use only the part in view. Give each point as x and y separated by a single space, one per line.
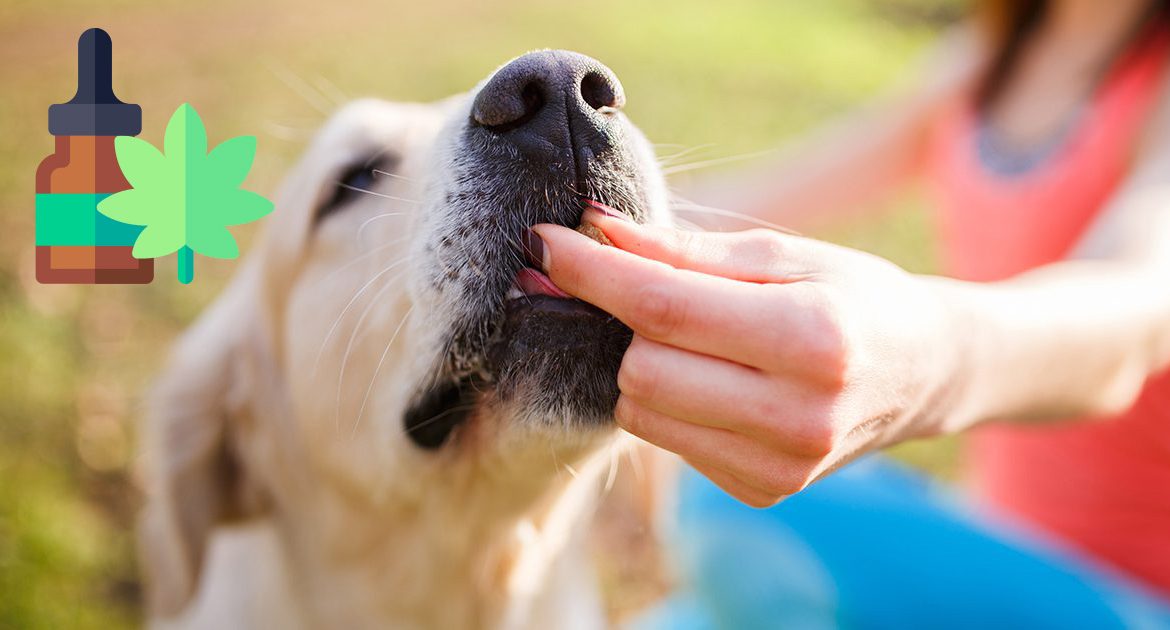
532 282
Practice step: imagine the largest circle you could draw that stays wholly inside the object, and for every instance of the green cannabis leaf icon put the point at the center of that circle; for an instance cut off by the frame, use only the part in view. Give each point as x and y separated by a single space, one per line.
186 197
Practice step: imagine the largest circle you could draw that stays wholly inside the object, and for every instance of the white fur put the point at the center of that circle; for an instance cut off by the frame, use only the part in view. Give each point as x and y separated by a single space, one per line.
282 492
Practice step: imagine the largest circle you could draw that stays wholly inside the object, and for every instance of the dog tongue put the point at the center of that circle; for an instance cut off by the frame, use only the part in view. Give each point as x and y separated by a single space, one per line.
532 282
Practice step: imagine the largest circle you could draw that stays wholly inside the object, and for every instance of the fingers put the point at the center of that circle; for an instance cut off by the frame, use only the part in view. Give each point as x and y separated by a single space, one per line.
761 325
758 255
722 394
773 473
735 486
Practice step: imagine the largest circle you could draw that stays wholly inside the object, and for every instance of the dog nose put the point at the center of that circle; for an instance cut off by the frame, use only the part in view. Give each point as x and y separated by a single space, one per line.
551 104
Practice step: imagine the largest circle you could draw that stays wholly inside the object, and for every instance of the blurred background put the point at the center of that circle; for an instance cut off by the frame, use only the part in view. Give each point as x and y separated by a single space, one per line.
713 84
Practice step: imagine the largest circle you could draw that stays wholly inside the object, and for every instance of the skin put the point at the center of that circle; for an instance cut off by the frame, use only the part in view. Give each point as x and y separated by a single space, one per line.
767 360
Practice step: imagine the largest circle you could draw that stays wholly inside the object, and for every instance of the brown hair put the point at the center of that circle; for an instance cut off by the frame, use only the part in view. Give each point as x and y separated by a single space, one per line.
1009 24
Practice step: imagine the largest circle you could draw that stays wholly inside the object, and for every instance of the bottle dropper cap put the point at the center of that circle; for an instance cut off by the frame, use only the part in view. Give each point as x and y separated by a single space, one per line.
94 110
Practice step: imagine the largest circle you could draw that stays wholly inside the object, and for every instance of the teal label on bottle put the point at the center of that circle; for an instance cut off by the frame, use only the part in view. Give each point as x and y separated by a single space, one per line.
73 219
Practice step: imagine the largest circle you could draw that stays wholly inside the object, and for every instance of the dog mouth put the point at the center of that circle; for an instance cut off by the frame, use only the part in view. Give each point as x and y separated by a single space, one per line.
542 140
545 326
531 281
549 352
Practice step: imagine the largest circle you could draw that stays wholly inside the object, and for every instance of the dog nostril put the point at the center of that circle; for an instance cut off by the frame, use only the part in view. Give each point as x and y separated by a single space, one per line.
533 98
598 91
500 108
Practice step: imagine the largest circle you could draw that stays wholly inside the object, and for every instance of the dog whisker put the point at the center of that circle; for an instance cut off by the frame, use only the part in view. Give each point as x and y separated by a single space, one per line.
514 248
329 90
349 346
288 133
611 477
362 227
689 225
378 171
637 465
298 85
701 164
476 270
674 157
375 193
556 464
364 255
374 376
439 416
357 295
687 206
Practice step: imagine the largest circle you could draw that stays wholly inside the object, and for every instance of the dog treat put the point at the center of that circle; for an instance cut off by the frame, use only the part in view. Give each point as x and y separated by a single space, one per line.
594 233
74 242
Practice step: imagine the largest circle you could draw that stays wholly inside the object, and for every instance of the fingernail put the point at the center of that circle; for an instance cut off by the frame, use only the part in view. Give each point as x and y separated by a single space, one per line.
534 251
592 204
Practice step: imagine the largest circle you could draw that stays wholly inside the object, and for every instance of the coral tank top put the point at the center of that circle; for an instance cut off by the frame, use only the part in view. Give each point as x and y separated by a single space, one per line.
1101 485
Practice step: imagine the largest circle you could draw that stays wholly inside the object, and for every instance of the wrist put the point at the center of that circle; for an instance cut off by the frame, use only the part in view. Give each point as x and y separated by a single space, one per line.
958 398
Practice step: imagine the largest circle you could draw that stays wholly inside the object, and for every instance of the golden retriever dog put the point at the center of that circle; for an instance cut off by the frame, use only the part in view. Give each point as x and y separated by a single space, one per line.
370 427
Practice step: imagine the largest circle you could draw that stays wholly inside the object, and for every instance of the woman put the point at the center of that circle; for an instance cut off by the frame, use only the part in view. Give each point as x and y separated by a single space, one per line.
768 360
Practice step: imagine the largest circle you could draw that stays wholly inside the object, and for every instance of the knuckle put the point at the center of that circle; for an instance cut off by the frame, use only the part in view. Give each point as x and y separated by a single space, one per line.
817 438
783 481
770 412
626 416
763 244
657 311
685 241
829 347
779 423
639 374
770 409
782 347
759 501
754 248
776 483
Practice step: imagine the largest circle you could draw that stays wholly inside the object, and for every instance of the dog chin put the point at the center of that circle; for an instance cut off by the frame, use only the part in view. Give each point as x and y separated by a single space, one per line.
559 354
554 363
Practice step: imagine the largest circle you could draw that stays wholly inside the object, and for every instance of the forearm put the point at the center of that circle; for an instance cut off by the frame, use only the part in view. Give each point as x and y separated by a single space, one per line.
1072 339
847 168
821 181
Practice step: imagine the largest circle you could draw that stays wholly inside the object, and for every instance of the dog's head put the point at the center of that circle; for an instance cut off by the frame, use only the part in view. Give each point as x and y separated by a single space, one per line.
386 337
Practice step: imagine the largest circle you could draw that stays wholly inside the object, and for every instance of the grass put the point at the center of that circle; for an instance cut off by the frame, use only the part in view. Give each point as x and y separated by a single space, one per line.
739 76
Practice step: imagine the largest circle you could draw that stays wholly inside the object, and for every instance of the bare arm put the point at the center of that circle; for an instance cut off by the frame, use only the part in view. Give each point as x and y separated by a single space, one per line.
849 166
1080 336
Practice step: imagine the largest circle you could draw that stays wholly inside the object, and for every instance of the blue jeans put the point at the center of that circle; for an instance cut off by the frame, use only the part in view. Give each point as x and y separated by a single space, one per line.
877 546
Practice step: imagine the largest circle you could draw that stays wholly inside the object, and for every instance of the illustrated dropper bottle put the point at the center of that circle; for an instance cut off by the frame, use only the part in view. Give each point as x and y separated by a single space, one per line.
76 244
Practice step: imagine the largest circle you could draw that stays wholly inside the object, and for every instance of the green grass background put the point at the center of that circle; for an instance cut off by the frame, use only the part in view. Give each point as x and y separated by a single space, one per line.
734 77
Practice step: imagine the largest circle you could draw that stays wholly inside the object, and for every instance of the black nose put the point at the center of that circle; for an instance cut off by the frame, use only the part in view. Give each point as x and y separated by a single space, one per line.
552 104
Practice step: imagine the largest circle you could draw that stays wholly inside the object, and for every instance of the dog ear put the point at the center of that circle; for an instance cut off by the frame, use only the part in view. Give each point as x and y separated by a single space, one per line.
193 472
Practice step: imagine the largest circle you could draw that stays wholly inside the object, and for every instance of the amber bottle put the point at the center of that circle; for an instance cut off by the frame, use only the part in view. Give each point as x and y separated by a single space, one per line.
74 242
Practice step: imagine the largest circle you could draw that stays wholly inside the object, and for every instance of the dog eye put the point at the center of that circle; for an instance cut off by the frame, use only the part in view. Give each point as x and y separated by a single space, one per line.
356 180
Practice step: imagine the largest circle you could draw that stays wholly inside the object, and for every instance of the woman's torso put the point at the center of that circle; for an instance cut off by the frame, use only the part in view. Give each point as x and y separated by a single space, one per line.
1103 486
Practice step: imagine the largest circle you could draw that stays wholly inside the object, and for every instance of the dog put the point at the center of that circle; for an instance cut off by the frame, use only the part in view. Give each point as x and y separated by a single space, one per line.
370 427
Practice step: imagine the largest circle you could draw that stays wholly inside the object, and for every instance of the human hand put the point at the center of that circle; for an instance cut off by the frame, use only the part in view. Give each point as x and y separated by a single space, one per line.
765 360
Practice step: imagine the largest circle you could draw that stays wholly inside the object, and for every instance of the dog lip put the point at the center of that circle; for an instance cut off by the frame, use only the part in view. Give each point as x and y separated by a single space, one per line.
550 304
439 410
563 353
529 281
